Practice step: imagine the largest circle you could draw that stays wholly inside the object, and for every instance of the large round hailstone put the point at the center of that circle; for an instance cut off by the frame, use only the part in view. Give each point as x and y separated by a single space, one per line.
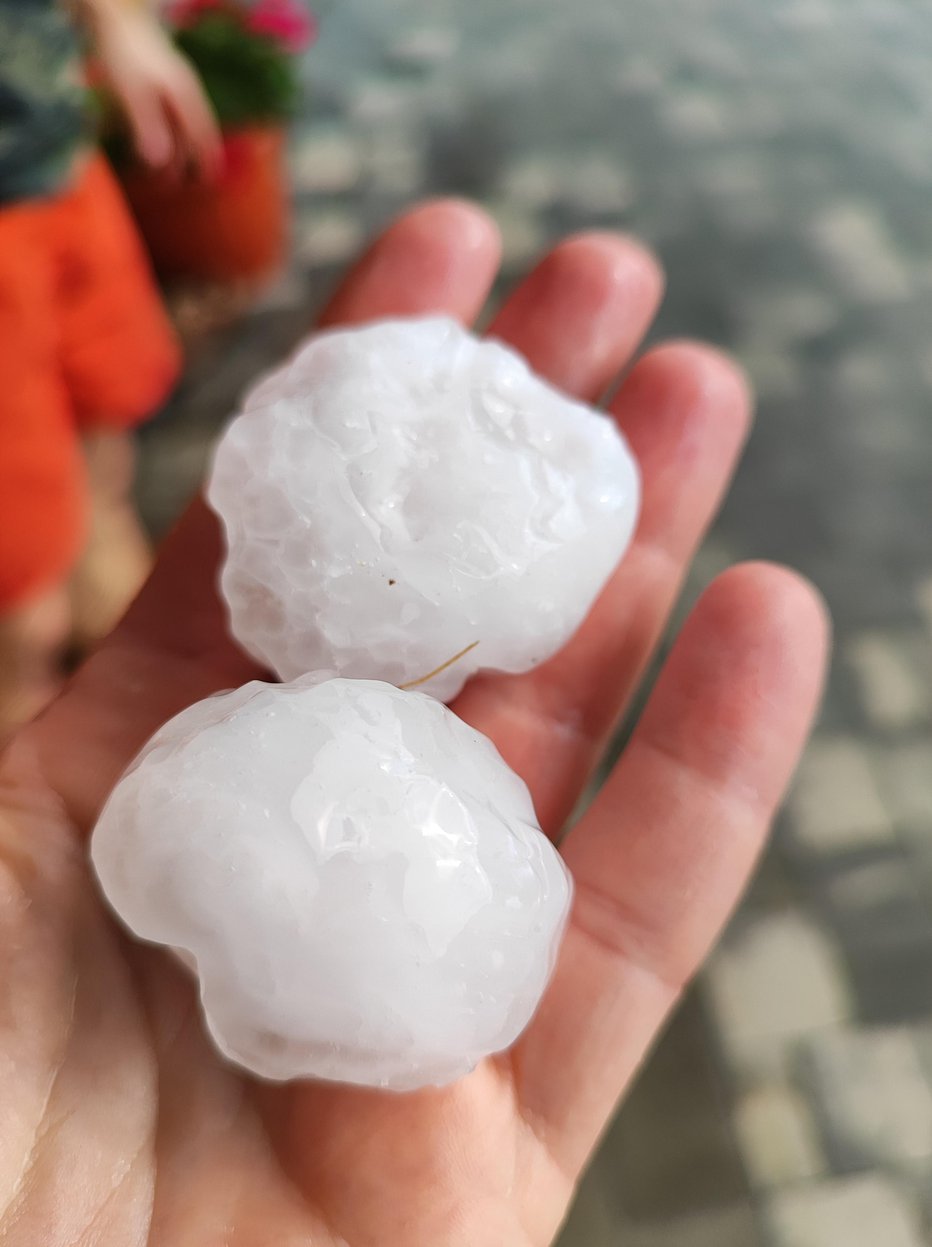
357 876
398 492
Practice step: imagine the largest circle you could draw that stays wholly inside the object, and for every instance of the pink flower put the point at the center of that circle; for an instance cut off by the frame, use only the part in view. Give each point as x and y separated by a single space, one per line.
285 21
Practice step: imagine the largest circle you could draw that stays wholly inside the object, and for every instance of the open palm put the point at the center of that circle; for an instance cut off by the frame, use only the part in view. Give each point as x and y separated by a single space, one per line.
118 1123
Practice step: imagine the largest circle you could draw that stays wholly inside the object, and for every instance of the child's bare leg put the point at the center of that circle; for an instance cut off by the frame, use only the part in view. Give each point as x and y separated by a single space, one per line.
32 640
117 557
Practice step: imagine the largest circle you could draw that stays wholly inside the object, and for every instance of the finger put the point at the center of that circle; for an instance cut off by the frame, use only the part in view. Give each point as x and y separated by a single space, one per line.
151 132
580 315
196 123
665 850
173 646
440 257
685 411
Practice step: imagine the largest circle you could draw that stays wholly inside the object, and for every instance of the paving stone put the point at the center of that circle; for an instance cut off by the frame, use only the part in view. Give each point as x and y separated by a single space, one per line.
758 122
855 242
696 116
895 440
891 980
806 15
873 897
324 160
922 1038
531 180
877 903
776 978
906 775
922 1186
379 102
423 47
777 1136
597 185
863 372
735 1226
864 1211
328 238
395 166
871 1096
789 315
523 236
924 599
776 375
671 1149
835 803
639 77
893 689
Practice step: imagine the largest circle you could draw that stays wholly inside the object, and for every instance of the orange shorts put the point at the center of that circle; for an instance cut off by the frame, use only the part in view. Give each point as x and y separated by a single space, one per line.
84 344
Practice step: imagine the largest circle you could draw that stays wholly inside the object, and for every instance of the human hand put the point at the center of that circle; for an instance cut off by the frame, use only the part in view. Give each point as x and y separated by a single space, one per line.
120 1124
169 116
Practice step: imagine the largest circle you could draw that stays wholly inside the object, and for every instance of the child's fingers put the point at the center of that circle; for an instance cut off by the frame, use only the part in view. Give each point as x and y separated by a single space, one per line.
151 132
195 121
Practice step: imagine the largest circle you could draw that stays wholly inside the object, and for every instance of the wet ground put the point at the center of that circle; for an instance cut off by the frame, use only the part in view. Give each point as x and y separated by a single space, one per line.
778 156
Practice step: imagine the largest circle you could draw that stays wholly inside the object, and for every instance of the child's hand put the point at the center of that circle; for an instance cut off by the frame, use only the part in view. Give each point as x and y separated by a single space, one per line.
170 117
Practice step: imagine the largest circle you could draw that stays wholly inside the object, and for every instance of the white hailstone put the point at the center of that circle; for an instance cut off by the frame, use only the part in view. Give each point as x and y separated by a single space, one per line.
356 875
399 492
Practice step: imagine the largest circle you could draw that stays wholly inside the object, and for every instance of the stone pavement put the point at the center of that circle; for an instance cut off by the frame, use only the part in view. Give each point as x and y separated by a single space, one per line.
778 155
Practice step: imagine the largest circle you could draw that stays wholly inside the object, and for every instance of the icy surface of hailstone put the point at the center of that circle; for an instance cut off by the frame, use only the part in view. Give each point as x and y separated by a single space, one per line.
398 492
357 875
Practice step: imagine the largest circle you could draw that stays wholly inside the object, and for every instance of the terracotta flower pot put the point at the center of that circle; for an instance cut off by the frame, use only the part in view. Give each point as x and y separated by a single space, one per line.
232 228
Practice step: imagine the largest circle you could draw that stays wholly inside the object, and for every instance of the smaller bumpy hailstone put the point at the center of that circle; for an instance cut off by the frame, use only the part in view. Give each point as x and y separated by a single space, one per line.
398 492
357 876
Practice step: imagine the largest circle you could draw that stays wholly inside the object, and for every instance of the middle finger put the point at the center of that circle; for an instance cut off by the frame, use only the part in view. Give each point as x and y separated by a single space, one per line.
684 410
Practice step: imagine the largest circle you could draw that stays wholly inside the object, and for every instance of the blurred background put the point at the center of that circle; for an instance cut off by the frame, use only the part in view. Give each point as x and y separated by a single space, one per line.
777 154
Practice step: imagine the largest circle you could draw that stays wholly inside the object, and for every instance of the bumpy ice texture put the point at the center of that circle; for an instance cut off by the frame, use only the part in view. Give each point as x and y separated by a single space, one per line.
356 874
398 492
